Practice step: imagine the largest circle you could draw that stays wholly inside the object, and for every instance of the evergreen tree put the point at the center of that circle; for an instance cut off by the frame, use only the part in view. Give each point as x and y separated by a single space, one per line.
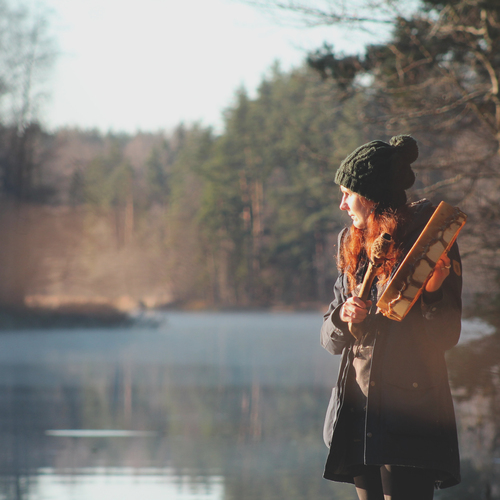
268 205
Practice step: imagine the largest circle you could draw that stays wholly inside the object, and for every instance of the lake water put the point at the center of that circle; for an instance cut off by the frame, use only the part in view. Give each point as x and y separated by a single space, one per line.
207 406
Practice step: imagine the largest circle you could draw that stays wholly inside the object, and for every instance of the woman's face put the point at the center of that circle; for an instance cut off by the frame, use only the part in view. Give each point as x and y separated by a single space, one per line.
356 206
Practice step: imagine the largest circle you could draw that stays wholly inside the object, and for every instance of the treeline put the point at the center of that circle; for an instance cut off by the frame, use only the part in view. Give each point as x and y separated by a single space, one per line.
243 218
248 216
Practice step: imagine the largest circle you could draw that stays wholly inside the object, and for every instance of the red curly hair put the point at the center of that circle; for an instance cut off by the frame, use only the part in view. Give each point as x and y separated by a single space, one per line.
357 243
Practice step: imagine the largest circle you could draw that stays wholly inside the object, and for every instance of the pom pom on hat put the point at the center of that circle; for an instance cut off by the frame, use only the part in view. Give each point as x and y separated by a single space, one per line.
379 171
407 147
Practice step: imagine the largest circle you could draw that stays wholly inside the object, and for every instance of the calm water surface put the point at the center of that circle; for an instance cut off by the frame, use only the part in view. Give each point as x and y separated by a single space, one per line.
208 406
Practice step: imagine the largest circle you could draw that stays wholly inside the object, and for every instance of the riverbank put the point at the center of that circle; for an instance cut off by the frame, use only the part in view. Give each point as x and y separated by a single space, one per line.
38 318
43 311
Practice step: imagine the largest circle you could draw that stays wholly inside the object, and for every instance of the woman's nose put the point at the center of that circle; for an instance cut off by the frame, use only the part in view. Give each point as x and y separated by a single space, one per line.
343 204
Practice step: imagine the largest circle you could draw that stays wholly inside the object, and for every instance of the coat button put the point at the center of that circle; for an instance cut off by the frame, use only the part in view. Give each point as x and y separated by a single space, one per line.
415 385
372 383
369 434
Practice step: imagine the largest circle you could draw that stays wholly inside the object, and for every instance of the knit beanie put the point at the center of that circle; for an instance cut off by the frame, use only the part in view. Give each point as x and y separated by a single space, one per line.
379 171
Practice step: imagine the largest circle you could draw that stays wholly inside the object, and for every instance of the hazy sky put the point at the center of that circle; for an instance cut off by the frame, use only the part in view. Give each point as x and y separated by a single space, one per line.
129 65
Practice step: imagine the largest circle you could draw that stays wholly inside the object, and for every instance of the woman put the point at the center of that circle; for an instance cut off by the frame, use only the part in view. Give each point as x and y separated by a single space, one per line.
390 424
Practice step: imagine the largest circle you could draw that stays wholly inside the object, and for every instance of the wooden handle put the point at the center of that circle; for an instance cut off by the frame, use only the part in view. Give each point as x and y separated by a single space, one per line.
364 291
378 251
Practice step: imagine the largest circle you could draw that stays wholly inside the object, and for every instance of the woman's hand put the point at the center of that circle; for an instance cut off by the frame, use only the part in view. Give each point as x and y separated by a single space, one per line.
439 274
354 310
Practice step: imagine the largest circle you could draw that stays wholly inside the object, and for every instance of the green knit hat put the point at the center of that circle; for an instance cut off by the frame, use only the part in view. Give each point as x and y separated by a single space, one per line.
379 171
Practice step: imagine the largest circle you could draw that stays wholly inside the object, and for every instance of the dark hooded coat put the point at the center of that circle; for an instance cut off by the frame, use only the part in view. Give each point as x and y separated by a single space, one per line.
409 417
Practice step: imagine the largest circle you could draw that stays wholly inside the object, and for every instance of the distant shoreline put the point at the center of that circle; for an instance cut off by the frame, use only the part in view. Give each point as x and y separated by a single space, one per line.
27 318
91 314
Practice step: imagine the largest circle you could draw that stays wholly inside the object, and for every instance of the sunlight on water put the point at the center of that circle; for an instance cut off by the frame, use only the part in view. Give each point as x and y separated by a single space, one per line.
475 328
98 433
124 484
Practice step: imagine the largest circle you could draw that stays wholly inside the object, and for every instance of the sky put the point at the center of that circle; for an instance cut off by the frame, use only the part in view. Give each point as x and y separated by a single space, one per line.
148 65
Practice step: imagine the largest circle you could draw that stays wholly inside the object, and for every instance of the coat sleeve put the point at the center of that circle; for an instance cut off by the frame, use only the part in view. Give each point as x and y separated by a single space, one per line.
442 310
335 334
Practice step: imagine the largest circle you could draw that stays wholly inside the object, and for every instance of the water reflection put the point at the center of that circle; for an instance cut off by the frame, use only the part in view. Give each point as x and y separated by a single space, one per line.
475 376
124 484
206 407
